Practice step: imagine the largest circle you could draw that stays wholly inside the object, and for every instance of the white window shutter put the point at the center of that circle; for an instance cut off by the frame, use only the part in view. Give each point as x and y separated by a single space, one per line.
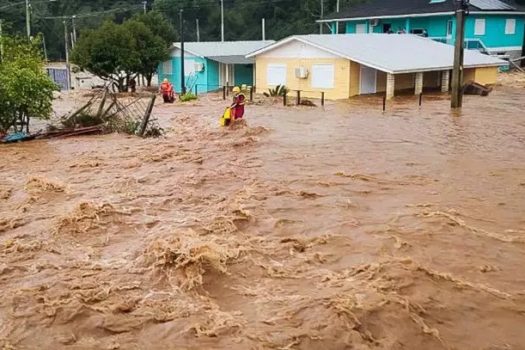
479 26
276 74
510 26
323 76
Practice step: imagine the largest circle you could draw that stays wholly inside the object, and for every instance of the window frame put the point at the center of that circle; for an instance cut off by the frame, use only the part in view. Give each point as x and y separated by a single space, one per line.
280 66
321 86
478 30
509 26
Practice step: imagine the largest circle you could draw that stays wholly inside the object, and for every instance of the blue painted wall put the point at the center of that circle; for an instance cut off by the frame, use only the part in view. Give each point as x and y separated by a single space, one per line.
436 26
212 69
209 79
495 30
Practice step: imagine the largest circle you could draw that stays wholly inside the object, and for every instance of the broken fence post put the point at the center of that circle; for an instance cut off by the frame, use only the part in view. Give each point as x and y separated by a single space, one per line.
298 97
145 120
384 102
322 98
284 99
224 92
420 99
251 94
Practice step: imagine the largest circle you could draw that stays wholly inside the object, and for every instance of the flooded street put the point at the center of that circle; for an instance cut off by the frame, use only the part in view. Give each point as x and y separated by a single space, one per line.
335 228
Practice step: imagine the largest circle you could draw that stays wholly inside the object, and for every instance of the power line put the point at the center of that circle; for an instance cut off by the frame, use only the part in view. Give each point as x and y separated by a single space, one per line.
94 14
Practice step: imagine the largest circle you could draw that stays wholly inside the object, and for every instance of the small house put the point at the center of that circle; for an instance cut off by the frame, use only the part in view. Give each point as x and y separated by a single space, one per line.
210 65
346 65
495 27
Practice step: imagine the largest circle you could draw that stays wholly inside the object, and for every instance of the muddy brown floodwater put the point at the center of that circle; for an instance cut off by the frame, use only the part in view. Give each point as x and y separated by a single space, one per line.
342 228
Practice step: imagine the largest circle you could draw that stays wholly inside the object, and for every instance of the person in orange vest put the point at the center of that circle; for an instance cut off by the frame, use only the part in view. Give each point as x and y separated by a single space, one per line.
166 89
238 104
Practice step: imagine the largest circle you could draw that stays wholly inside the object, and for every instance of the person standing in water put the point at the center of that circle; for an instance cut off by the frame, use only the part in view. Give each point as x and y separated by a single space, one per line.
238 104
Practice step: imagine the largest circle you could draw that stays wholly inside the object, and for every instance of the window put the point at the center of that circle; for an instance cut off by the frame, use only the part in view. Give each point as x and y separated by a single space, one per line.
167 67
323 76
360 28
189 67
510 26
479 26
276 74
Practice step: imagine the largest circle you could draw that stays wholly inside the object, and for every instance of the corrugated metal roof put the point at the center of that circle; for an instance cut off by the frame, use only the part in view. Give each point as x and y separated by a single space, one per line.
491 5
391 53
231 52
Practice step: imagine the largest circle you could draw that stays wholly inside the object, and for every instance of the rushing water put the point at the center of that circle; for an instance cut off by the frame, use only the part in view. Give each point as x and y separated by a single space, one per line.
334 228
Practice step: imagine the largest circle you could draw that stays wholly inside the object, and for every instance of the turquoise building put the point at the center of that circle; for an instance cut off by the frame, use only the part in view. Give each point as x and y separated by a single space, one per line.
210 65
495 27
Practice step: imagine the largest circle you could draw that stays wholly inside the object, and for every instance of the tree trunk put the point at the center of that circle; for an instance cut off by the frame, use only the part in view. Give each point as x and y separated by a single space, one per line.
149 77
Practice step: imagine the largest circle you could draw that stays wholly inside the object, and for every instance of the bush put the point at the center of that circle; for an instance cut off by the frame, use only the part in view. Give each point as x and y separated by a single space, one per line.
279 90
188 97
25 89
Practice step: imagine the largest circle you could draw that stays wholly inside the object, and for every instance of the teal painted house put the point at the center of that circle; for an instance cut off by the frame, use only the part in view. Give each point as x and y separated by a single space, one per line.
210 65
495 27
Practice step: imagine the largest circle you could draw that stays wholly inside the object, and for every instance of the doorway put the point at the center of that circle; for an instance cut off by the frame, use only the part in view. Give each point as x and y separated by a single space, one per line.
387 28
368 81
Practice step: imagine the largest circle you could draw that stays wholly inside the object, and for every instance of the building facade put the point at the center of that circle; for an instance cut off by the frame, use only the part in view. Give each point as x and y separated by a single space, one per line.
495 27
208 66
342 66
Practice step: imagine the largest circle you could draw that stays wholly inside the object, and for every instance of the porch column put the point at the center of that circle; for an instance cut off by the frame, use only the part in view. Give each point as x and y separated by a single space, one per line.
390 85
419 83
407 25
445 79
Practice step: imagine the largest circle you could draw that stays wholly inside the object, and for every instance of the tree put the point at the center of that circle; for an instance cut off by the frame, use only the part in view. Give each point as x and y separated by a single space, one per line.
108 52
25 90
153 36
117 52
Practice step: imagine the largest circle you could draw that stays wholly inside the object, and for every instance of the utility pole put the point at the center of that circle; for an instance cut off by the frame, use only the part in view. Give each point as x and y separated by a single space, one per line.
182 75
145 5
68 67
74 39
28 19
337 6
222 20
44 46
322 16
457 72
198 30
263 29
1 42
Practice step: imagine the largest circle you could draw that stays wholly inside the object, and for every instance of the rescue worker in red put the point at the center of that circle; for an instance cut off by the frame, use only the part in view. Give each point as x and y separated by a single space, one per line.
166 89
238 104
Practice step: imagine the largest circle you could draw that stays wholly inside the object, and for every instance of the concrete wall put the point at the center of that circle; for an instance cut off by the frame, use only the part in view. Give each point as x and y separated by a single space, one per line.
341 89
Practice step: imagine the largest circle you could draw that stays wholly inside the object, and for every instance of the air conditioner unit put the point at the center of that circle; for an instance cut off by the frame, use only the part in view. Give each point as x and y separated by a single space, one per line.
374 22
301 73
199 67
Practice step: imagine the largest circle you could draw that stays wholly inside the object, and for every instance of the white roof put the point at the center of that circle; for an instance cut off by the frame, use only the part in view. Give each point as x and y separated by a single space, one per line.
391 53
231 52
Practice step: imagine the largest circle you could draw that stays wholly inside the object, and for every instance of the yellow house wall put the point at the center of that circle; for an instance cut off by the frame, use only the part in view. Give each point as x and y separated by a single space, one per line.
469 74
405 81
381 81
355 73
432 79
486 75
341 89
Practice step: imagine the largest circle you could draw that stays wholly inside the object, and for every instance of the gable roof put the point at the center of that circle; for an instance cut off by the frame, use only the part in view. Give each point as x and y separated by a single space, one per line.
390 53
229 52
407 8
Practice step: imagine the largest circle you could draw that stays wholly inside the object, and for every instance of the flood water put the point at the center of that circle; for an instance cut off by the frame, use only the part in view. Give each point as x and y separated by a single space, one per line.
311 228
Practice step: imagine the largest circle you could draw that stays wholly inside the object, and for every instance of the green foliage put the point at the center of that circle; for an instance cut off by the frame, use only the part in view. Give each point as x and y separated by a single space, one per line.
279 90
116 52
188 97
25 90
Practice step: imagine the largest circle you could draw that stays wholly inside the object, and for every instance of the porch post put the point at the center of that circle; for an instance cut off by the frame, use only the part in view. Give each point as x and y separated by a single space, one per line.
390 85
419 83
445 80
